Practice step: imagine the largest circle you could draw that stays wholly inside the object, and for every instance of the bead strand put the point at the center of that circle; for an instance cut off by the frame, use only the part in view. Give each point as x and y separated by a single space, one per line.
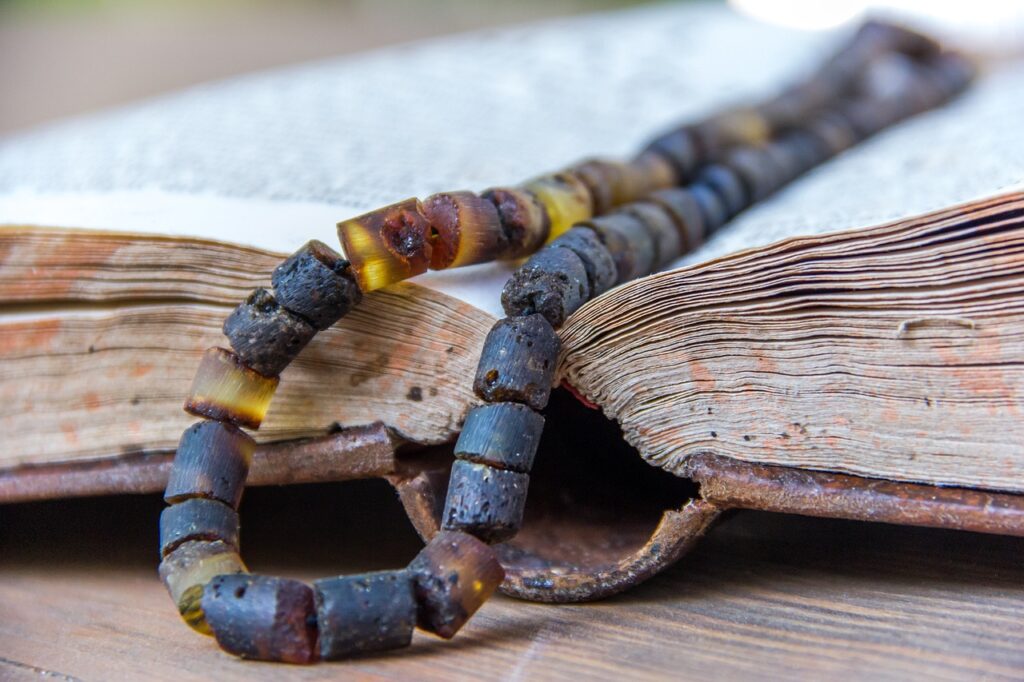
604 223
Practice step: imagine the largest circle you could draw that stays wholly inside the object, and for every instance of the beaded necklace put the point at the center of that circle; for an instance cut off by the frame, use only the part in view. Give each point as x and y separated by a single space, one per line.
591 227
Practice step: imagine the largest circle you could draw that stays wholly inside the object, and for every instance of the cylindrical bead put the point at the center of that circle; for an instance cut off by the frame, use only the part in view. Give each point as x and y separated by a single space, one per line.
187 569
655 171
265 335
518 361
225 389
834 132
712 208
686 214
485 502
753 167
364 613
501 435
679 147
598 262
601 178
727 184
524 220
629 243
387 245
566 199
553 282
197 519
465 229
668 244
262 618
212 461
453 576
317 284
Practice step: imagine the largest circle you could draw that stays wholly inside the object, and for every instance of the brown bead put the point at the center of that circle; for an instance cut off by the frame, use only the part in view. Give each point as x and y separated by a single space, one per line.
654 172
317 284
600 177
744 125
262 618
501 435
566 199
197 519
524 220
518 362
387 245
364 613
485 502
553 282
668 244
212 461
680 148
628 241
453 576
685 211
187 569
465 229
225 389
598 262
266 336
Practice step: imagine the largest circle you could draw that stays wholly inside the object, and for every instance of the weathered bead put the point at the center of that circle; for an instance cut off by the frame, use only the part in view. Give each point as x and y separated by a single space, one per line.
453 576
266 336
598 262
566 199
502 435
755 170
524 220
187 569
225 389
197 519
387 245
654 171
727 184
517 363
668 244
553 282
485 502
316 283
679 147
602 179
364 613
262 618
712 208
685 211
212 461
629 243
465 229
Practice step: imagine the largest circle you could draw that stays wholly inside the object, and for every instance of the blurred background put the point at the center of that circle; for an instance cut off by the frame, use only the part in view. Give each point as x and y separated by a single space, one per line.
63 57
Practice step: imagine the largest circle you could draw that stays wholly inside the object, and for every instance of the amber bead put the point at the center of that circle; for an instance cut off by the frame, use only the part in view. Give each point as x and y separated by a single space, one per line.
654 171
518 362
465 229
212 461
187 569
597 261
316 283
680 148
727 184
712 208
566 199
262 618
744 125
668 245
225 389
266 336
685 212
524 220
453 576
485 502
502 435
630 244
387 245
197 519
553 282
364 613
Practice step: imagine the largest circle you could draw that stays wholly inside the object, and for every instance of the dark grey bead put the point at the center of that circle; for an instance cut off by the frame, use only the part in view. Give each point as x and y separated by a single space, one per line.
680 148
502 435
212 461
364 613
757 172
265 335
485 502
518 361
685 212
553 282
668 244
197 519
628 241
317 284
727 184
712 209
596 259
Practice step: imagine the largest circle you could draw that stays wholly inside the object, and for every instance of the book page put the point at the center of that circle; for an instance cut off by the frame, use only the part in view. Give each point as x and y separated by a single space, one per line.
277 158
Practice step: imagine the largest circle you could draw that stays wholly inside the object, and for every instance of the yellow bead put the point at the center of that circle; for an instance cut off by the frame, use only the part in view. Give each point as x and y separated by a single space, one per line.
387 245
187 569
566 199
224 389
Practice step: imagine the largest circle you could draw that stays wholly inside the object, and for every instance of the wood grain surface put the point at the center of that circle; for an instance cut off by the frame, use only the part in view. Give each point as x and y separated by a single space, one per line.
763 596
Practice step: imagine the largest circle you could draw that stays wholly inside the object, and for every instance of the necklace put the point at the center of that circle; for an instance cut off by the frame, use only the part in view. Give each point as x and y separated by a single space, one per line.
600 223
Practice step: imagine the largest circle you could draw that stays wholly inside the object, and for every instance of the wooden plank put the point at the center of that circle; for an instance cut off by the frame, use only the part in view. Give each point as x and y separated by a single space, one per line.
763 595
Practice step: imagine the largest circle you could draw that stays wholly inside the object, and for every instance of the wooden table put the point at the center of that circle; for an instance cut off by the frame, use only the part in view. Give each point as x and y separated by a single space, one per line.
763 596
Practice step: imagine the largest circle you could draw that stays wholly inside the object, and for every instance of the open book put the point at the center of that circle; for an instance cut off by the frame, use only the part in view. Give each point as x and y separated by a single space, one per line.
840 362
